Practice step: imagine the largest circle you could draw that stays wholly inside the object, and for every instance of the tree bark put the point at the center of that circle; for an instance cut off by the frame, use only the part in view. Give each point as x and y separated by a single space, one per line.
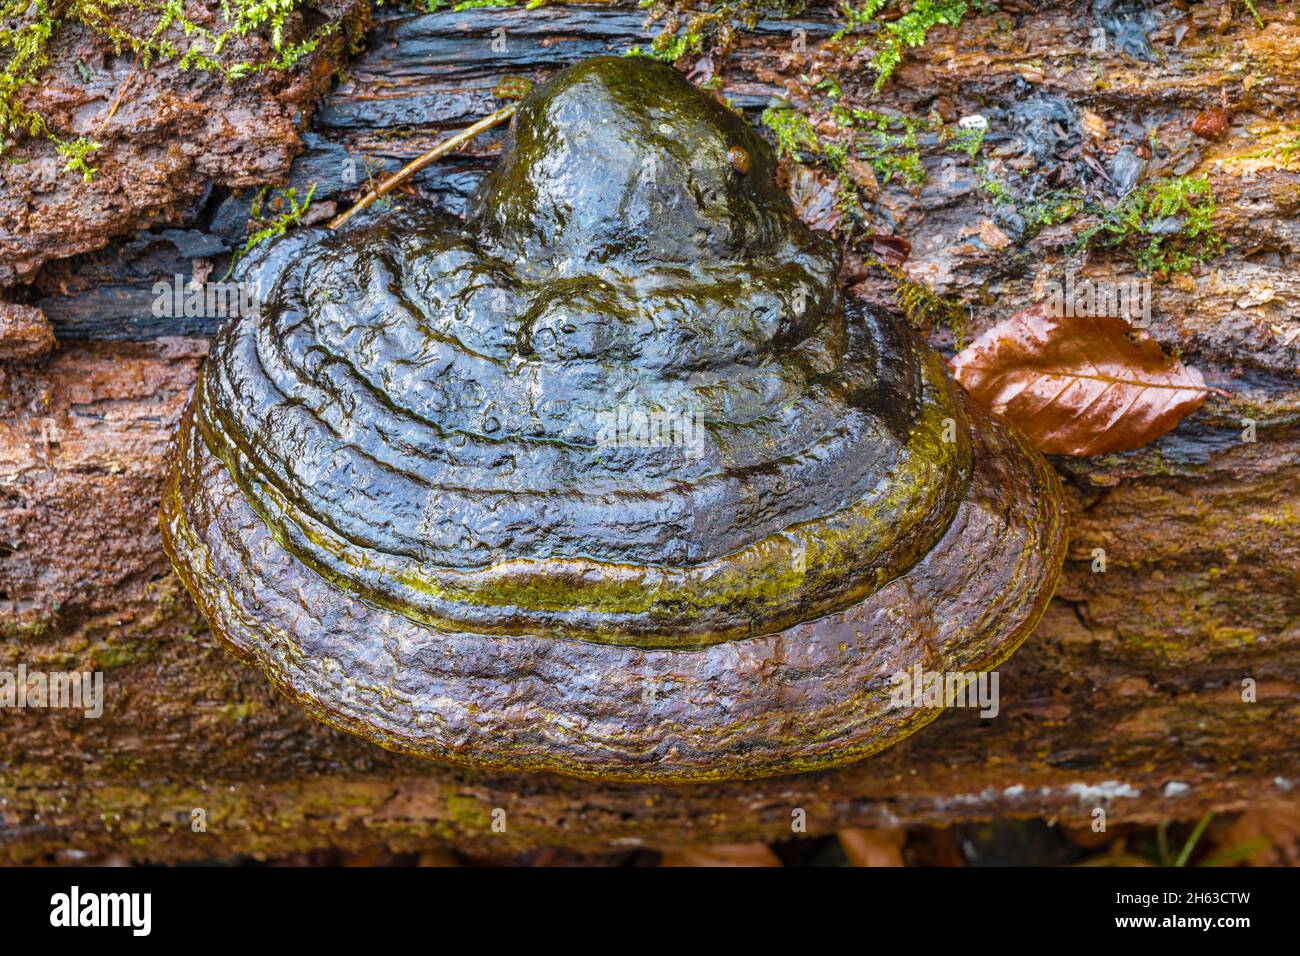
1163 686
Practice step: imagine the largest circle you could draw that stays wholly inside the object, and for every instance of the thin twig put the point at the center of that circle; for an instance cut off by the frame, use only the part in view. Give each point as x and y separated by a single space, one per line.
417 164
117 100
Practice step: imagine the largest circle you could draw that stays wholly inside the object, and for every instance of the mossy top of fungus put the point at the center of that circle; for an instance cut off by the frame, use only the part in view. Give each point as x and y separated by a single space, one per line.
621 414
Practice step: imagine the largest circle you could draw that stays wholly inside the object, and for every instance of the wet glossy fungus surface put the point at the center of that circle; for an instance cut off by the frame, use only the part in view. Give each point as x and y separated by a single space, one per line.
622 409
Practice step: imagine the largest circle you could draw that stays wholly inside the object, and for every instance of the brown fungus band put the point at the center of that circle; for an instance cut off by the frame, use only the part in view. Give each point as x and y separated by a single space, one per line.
608 478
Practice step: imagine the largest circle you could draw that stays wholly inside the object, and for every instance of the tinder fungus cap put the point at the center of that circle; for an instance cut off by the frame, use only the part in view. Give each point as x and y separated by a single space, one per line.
608 478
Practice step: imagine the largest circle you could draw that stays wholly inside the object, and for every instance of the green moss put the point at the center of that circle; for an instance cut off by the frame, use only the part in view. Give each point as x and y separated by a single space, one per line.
131 805
926 309
467 813
1058 206
669 47
1287 150
888 142
25 32
28 27
111 654
286 212
692 26
890 145
1165 226
891 38
998 191
237 712
1286 519
793 131
432 6
968 141
74 153
23 630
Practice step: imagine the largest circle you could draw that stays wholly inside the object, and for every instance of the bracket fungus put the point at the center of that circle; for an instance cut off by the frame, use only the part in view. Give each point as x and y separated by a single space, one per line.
607 479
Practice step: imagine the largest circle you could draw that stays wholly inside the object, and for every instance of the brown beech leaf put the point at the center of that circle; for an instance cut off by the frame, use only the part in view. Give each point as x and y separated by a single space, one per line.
721 854
1081 385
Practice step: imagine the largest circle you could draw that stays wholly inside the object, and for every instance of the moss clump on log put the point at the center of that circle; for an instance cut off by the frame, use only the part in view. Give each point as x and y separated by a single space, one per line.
154 32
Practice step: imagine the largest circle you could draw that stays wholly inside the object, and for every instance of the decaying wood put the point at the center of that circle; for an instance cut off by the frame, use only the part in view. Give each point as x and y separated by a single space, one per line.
25 332
1129 697
167 136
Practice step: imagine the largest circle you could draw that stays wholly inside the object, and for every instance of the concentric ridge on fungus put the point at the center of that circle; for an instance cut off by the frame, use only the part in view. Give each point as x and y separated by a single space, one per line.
397 490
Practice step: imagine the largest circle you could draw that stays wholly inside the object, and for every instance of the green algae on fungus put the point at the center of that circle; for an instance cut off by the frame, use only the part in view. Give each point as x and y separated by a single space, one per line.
406 489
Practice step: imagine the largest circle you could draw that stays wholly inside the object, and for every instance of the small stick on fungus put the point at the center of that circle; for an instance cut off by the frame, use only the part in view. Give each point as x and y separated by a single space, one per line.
417 164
